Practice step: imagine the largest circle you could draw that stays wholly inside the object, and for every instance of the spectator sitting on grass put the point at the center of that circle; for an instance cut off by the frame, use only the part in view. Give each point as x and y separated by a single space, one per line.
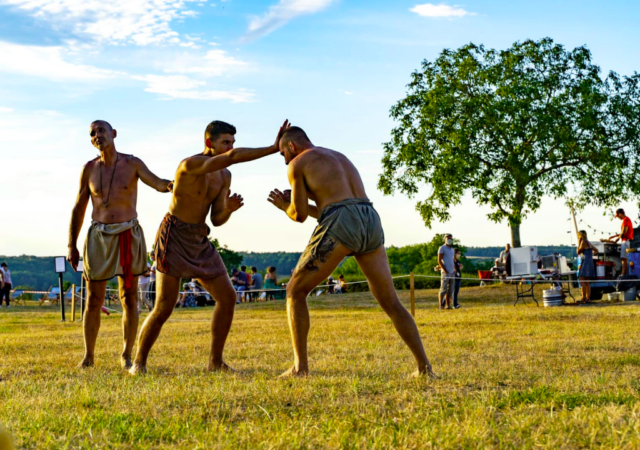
343 284
331 283
271 282
188 297
240 283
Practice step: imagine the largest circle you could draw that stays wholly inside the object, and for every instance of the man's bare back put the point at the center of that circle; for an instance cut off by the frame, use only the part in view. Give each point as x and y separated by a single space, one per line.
329 176
347 225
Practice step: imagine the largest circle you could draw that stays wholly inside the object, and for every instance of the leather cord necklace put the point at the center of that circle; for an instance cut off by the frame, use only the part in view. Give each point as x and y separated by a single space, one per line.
105 204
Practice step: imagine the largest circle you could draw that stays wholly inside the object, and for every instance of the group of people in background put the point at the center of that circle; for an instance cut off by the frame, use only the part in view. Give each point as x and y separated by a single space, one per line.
252 286
586 250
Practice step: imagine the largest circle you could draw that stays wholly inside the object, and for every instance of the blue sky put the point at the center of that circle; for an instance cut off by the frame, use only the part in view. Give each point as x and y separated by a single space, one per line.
160 70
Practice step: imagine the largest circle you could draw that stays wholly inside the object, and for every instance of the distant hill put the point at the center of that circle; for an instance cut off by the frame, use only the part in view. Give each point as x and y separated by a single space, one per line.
36 273
494 252
284 262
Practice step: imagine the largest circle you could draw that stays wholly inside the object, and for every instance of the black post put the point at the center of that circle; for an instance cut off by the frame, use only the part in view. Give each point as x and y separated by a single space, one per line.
82 288
61 297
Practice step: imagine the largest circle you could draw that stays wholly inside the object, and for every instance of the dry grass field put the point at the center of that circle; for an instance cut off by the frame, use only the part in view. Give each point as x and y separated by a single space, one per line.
509 377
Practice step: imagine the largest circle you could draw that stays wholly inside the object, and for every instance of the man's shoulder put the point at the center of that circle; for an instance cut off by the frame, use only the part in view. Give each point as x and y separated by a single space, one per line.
91 163
129 159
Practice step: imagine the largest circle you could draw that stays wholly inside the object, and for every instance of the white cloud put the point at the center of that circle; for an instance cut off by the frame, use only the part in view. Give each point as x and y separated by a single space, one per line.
214 63
141 22
182 87
46 62
348 93
441 10
283 12
4 110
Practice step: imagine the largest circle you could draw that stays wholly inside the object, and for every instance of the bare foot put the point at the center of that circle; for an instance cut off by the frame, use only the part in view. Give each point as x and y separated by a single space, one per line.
293 372
424 372
220 367
86 362
125 362
138 369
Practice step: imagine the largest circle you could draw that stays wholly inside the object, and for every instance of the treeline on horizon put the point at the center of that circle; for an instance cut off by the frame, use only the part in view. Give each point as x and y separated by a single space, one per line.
37 273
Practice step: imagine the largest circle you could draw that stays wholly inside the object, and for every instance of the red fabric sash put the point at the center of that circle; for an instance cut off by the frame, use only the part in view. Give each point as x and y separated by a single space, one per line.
126 257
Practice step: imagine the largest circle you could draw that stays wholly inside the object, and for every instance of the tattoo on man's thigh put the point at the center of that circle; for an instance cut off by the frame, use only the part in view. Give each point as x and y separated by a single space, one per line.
322 254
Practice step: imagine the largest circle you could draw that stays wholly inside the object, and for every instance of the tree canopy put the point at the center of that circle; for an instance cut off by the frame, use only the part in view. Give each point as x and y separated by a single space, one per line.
512 126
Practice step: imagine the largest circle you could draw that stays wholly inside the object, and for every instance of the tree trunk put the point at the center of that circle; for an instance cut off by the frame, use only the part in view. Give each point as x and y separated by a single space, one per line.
515 236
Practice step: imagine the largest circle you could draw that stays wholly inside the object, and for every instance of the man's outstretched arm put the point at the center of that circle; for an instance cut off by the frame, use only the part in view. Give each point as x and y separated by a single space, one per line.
151 179
201 165
77 217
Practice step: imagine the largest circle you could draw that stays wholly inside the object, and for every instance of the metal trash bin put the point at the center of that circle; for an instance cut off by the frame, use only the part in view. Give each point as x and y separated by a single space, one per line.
552 297
630 295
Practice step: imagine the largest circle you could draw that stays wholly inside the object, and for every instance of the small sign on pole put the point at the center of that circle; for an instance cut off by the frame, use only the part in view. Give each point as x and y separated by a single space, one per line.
61 267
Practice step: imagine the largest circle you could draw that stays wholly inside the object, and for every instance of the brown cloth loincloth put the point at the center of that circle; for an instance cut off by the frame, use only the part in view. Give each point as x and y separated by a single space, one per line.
114 249
183 250
352 222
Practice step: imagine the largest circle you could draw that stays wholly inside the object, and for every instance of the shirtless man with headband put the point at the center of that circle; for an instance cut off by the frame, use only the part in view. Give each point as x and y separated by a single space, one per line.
182 246
115 242
347 225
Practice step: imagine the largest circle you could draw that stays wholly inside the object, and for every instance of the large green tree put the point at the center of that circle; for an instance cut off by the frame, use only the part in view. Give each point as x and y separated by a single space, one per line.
230 258
511 127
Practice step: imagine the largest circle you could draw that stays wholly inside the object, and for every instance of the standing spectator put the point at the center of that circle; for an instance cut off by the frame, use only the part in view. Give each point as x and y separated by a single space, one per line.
447 271
458 273
143 288
505 259
625 237
256 283
5 292
151 294
587 270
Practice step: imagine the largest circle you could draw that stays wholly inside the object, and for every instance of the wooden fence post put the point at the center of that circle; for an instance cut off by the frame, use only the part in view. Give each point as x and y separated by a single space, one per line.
73 302
413 294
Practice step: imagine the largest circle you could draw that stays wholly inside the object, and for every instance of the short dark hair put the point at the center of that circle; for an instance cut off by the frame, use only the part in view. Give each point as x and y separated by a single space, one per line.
234 270
4 264
294 134
103 121
341 276
253 269
620 211
243 268
218 127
